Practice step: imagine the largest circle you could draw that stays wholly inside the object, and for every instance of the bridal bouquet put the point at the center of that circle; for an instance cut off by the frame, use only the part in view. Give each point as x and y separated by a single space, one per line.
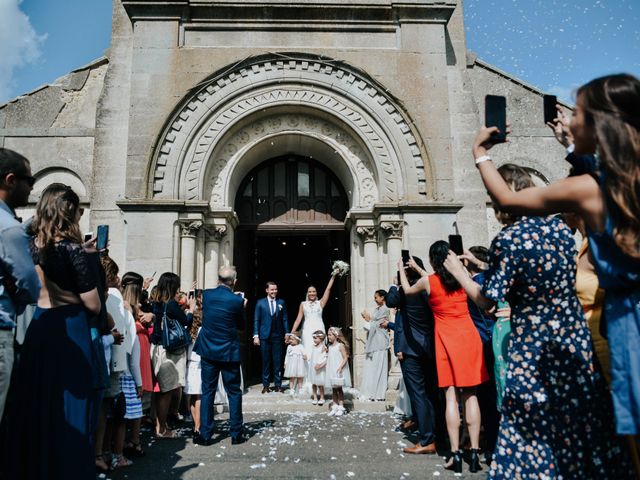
340 268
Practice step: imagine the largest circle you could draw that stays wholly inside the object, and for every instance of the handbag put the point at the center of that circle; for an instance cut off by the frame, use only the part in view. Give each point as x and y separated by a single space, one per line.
174 335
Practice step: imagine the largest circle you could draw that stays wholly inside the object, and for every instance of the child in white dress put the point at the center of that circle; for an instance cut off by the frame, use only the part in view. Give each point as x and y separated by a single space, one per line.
317 367
295 364
338 374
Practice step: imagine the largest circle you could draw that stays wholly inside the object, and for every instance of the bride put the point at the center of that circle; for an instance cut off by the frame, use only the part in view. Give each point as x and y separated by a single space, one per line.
311 310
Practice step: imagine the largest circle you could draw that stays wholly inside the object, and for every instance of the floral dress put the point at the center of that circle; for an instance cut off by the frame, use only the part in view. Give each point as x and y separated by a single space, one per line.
556 415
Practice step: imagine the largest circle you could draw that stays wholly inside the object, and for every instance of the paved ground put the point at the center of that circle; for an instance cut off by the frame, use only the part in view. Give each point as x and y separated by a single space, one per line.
292 445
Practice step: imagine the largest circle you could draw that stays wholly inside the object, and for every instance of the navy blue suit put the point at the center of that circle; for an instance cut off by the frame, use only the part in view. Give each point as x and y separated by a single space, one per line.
414 338
219 348
270 329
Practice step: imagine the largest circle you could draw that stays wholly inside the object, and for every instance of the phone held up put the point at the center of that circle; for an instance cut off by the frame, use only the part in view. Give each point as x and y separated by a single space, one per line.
495 115
103 237
455 244
550 110
405 257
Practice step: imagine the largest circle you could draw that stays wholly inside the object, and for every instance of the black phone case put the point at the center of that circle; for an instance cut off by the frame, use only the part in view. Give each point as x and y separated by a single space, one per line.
495 115
455 243
549 105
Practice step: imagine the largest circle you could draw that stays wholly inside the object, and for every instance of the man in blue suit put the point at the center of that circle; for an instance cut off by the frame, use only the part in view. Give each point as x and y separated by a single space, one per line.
270 326
223 315
414 347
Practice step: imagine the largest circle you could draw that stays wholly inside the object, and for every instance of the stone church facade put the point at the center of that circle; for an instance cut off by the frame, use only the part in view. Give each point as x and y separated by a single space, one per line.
344 125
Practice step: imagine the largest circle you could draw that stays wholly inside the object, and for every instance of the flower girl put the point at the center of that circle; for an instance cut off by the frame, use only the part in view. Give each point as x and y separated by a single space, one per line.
317 367
338 374
295 365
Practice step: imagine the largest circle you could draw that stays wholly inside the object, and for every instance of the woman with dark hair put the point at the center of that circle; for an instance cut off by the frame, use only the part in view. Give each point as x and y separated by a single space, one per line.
605 123
459 356
555 411
168 367
51 427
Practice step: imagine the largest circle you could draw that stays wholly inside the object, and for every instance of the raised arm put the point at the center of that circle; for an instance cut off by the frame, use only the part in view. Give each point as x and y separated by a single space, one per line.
420 285
474 291
327 291
296 324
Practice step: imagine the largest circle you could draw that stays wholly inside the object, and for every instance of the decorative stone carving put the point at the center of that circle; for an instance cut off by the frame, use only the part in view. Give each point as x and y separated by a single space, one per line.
216 233
304 81
190 228
367 234
392 229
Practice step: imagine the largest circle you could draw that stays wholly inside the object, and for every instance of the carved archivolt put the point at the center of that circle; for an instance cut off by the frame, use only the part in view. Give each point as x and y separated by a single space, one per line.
206 138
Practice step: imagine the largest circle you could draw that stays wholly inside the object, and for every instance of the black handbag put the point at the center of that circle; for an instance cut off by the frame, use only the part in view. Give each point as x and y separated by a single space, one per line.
174 335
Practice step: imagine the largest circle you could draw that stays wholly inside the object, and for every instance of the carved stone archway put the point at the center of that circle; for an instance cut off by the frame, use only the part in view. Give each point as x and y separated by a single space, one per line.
266 95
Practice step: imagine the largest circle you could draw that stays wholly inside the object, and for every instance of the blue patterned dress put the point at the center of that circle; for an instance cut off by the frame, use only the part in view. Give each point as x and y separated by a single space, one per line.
556 414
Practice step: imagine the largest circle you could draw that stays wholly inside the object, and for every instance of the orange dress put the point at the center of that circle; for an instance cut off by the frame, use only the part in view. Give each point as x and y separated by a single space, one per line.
459 357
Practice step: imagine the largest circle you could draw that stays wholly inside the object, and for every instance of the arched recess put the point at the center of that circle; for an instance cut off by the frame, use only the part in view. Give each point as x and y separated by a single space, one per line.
276 98
63 175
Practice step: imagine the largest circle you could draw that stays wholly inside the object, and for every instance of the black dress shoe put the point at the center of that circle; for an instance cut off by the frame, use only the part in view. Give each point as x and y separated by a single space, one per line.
200 440
238 440
265 390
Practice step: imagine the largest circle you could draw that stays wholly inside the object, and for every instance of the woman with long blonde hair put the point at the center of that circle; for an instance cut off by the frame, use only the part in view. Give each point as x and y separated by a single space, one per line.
51 435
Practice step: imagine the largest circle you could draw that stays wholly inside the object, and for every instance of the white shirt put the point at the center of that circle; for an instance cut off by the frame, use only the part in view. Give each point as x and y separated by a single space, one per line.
126 325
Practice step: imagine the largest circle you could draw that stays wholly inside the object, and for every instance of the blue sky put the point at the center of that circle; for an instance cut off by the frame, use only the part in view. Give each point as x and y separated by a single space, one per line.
555 45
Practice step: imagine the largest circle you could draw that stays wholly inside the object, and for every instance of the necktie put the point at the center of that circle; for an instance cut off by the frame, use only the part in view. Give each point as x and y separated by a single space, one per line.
273 308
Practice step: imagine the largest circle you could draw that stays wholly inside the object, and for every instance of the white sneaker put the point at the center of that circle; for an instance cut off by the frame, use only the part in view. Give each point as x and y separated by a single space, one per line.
334 409
339 411
314 401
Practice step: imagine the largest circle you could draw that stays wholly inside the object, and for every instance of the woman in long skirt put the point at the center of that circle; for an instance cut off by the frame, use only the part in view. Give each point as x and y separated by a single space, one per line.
376 361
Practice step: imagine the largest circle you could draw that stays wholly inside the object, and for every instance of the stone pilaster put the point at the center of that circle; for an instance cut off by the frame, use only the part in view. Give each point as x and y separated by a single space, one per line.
214 235
188 232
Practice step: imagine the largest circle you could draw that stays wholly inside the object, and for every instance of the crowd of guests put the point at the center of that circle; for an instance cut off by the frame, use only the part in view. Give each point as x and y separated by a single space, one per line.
534 342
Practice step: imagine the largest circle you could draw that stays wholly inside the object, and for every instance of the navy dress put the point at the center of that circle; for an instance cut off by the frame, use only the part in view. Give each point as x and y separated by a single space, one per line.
619 276
51 423
556 413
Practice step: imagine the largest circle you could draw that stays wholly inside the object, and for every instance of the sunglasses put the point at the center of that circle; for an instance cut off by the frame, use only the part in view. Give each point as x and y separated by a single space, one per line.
28 178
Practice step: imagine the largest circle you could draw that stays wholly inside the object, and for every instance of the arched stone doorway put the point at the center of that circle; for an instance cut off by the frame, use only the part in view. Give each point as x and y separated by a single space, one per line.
291 211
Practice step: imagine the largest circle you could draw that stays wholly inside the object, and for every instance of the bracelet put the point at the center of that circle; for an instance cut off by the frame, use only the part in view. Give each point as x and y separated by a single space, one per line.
482 158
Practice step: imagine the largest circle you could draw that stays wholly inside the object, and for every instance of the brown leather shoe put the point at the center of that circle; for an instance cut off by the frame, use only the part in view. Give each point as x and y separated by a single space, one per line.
408 425
265 390
280 389
419 449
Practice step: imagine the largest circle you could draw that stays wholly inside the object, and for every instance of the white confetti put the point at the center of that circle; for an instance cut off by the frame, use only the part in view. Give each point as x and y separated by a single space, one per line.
258 465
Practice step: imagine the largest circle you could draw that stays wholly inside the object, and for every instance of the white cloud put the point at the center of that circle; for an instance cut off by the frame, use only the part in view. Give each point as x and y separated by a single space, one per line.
19 44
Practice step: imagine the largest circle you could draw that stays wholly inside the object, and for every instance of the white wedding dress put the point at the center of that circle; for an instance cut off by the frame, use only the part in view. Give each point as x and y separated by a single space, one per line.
311 323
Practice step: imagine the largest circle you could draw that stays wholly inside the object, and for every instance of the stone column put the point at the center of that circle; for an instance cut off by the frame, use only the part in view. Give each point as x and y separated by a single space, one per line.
188 233
369 238
393 233
214 234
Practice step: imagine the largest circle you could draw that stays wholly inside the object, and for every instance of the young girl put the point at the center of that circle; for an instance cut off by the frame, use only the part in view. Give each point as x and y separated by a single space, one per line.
337 374
317 364
295 364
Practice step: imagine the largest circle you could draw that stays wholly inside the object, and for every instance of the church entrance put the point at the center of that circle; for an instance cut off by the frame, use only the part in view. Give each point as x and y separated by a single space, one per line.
291 211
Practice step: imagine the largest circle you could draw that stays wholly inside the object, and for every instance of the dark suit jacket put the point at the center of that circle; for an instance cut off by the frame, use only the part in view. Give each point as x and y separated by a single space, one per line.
222 316
413 325
263 321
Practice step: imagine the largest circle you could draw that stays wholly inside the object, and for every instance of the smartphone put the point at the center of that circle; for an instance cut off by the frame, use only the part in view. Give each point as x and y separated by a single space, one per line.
103 237
240 294
455 243
198 292
192 294
405 257
88 236
550 110
495 115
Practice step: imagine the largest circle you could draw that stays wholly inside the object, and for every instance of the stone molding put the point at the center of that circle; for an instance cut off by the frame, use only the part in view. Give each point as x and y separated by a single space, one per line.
349 98
190 228
392 229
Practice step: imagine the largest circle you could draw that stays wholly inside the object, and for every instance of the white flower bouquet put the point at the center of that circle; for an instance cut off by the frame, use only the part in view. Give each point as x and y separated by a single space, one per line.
340 268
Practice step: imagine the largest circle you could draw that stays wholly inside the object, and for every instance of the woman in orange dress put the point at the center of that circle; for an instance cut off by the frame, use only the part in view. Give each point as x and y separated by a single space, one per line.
459 358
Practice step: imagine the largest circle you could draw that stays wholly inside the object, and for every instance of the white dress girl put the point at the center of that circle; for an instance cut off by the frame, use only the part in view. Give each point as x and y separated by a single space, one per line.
312 322
318 357
334 359
295 366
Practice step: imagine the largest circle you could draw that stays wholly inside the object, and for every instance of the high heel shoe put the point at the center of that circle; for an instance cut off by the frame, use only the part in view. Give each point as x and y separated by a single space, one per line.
456 464
474 463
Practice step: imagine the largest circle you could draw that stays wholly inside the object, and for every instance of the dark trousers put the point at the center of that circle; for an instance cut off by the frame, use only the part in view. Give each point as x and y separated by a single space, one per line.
231 380
271 351
487 400
421 381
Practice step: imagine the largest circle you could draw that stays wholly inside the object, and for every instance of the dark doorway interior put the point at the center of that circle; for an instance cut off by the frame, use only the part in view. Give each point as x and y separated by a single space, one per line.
294 260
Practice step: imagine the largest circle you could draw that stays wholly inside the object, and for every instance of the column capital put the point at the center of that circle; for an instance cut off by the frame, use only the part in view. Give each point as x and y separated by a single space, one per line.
215 233
392 228
190 228
368 233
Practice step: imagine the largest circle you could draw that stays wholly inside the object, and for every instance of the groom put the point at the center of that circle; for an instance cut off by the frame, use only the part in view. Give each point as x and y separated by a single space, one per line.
270 325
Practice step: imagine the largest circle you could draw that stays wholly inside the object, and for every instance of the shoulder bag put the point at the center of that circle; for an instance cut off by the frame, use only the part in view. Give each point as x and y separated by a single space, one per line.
174 335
